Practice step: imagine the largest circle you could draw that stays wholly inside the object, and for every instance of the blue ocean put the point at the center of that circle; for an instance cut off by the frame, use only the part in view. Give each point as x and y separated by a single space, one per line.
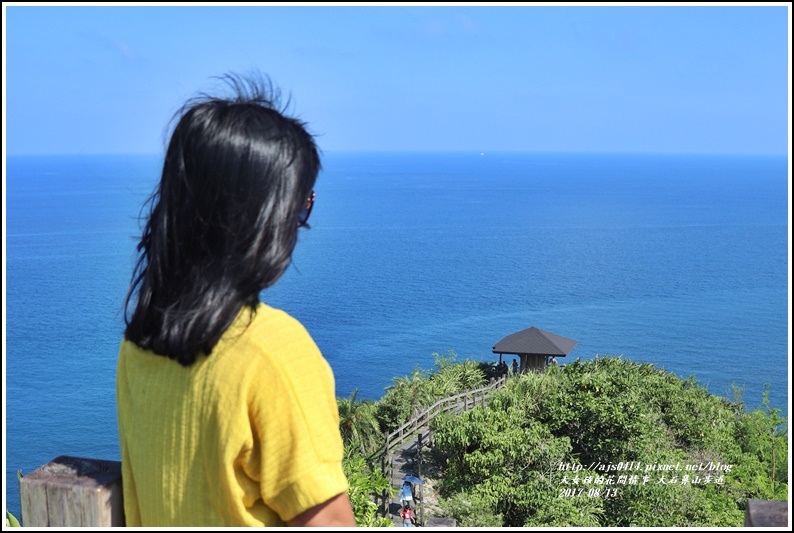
677 260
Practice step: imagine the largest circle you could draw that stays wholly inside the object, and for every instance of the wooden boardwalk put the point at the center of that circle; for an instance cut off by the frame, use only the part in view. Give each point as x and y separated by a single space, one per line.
402 444
405 464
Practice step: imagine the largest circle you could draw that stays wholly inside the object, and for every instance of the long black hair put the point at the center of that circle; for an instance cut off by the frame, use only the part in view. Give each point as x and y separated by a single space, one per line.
223 221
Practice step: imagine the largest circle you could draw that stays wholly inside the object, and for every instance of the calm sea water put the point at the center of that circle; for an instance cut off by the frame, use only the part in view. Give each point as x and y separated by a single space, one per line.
681 261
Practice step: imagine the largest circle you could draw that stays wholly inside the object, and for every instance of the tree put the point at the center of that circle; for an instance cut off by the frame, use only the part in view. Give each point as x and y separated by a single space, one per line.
358 425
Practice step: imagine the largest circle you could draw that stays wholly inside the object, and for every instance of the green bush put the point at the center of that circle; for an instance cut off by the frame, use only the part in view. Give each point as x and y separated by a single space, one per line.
364 483
409 395
516 460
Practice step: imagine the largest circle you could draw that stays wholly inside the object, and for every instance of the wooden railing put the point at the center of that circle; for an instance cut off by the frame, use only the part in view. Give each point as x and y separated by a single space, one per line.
458 402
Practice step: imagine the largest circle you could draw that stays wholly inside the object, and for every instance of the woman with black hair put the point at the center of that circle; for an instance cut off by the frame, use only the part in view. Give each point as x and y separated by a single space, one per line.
226 408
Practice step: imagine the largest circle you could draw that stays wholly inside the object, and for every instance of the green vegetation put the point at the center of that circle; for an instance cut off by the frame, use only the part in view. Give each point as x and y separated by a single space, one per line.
606 442
358 425
364 482
535 455
422 388
362 436
11 520
364 423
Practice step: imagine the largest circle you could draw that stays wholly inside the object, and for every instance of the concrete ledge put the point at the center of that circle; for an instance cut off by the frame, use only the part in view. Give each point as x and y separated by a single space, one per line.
765 513
440 522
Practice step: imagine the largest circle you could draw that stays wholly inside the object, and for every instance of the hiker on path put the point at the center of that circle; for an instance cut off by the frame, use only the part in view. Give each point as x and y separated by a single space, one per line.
408 517
406 495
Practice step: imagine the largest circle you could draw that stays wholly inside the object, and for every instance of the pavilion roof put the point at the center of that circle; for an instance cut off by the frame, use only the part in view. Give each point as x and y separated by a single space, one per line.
534 341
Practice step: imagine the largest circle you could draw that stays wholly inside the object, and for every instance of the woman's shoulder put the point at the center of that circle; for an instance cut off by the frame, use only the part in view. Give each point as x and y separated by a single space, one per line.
278 347
271 323
266 343
274 336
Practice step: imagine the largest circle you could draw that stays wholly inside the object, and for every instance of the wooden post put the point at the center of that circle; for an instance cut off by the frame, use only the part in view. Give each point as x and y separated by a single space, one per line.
385 493
389 473
73 492
419 475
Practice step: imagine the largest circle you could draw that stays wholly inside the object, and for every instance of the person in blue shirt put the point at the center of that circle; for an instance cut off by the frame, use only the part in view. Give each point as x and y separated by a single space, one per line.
406 495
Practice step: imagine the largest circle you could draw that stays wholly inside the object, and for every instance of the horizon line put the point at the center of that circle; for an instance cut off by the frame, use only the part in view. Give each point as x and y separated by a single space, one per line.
437 151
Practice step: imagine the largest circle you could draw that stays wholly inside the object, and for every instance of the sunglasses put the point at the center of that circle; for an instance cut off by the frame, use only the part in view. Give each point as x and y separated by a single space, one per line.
306 211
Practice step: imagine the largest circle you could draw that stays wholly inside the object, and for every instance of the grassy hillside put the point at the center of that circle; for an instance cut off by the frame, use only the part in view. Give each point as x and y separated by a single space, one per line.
607 442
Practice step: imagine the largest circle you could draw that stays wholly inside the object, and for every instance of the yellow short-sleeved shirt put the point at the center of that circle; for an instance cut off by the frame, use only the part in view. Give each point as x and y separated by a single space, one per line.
248 435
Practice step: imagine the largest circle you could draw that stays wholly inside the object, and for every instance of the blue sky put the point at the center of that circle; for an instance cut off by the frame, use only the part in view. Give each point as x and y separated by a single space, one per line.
579 79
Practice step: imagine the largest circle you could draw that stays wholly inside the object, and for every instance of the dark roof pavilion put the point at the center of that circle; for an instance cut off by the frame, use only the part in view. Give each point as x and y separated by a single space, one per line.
534 341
